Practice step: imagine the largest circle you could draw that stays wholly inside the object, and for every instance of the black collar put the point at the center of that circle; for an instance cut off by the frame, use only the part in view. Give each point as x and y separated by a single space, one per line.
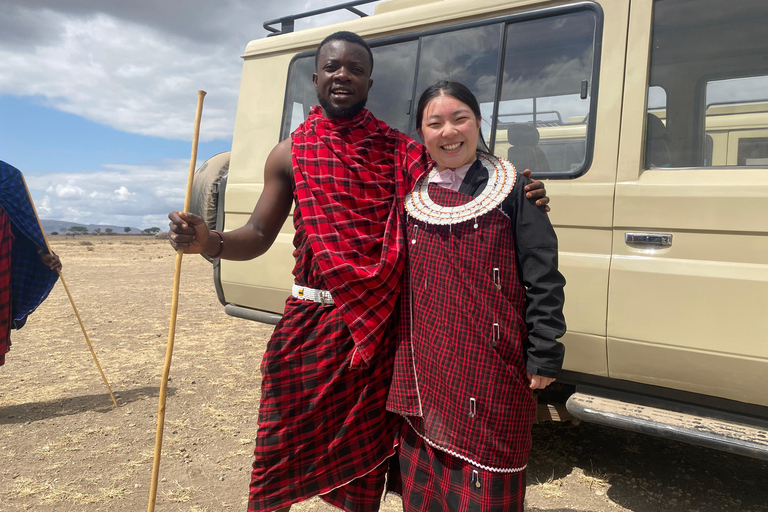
475 179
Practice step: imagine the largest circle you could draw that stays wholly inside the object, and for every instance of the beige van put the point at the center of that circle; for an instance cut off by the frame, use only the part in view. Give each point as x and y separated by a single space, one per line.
649 121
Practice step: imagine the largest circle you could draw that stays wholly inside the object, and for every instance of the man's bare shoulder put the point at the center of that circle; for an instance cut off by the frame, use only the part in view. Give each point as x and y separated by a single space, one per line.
279 161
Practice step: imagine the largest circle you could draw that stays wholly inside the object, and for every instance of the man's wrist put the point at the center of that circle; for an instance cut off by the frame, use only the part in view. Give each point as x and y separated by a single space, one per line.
215 244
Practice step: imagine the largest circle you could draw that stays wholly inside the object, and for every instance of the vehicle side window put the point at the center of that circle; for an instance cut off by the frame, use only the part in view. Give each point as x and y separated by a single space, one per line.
469 56
394 70
544 109
753 151
737 116
301 94
535 101
709 57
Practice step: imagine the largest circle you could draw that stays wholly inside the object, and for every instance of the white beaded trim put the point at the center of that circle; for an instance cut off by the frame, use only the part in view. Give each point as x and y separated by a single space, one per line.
419 205
466 459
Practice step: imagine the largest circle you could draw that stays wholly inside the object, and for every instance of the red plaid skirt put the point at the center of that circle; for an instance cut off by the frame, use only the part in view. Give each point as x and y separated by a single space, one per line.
323 428
434 481
6 240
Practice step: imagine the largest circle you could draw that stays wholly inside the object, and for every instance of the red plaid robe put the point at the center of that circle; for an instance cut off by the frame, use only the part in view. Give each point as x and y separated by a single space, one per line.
6 239
465 392
323 426
351 177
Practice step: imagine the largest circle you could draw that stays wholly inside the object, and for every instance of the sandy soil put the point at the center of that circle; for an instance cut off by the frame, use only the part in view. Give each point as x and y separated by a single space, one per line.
63 447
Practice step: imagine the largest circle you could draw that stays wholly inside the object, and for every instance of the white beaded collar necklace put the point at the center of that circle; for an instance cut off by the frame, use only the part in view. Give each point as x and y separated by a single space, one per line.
501 179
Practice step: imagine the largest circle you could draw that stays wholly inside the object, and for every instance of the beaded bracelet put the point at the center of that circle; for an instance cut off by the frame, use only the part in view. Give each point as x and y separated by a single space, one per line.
221 244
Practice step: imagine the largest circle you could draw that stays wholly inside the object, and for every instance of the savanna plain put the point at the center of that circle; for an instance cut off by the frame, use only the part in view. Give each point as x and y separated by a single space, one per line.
64 447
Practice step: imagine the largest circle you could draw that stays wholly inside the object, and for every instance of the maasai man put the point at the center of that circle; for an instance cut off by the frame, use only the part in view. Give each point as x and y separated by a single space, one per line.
323 427
27 271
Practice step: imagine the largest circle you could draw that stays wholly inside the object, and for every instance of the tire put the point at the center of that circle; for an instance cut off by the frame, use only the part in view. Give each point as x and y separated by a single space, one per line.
205 187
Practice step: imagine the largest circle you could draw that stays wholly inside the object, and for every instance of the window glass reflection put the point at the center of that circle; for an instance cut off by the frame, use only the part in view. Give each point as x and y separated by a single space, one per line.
469 56
394 71
545 97
737 121
301 95
709 57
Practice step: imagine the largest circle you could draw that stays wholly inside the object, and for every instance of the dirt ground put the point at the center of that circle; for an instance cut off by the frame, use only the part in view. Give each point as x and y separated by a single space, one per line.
63 447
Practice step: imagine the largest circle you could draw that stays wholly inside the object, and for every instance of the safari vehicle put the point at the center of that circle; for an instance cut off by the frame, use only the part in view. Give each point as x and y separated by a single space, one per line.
648 121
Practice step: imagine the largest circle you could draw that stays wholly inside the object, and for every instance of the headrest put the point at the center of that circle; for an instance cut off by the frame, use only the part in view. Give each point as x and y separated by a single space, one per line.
656 129
523 135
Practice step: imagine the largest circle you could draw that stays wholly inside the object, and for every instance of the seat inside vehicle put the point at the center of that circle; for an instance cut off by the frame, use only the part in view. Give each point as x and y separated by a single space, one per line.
525 152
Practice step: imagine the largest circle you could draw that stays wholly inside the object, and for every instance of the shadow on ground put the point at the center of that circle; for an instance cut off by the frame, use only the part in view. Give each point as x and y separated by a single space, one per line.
36 411
650 474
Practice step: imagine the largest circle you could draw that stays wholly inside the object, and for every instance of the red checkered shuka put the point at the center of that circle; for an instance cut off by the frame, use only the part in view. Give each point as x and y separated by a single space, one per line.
323 428
351 175
434 480
459 370
6 241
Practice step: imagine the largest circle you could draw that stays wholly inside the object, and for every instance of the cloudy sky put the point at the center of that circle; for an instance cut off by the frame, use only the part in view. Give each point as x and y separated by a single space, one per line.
97 97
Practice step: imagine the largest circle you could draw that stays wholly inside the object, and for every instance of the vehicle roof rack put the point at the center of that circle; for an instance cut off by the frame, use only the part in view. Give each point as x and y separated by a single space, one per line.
287 22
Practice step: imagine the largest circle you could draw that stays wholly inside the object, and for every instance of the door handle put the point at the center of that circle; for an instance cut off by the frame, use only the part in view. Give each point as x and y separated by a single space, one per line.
662 240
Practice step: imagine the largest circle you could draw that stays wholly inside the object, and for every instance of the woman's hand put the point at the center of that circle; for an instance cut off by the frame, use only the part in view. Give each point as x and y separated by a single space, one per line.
187 232
539 382
535 190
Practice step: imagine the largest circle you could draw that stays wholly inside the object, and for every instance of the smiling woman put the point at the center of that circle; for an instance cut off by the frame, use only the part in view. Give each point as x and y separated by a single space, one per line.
481 314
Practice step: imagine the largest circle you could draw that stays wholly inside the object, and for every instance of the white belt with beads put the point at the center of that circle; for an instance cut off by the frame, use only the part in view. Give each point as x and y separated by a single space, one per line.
323 297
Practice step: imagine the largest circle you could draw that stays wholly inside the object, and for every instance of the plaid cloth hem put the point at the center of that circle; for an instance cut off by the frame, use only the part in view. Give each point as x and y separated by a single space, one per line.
433 481
462 457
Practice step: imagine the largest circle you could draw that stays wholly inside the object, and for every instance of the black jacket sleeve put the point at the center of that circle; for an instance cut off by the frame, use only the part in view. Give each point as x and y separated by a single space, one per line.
536 253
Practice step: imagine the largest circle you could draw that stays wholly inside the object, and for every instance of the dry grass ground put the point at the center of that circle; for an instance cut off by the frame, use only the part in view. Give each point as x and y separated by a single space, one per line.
63 447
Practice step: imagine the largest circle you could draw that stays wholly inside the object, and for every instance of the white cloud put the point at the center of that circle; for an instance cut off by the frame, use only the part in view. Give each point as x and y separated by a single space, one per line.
136 66
66 191
125 195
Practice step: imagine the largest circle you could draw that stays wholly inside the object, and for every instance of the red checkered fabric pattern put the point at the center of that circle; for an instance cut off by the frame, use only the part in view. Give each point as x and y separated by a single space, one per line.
459 370
323 425
433 481
323 428
351 175
6 241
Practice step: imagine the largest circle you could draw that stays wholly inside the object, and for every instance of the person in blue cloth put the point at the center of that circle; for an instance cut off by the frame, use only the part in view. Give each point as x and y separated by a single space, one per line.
27 270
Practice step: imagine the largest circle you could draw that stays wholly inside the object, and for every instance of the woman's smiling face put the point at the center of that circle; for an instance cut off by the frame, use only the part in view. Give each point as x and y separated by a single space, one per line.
450 131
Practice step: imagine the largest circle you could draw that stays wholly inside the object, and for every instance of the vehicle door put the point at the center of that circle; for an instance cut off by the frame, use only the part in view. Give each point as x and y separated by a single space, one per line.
688 292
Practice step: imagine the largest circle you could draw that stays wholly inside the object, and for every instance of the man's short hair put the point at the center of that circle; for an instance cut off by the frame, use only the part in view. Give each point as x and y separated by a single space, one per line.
344 35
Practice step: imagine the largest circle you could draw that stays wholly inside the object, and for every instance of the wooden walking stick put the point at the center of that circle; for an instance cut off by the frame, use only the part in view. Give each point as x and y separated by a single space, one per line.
71 300
174 310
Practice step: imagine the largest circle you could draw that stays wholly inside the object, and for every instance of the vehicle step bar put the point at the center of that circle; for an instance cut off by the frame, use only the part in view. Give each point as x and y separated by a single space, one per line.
730 432
252 314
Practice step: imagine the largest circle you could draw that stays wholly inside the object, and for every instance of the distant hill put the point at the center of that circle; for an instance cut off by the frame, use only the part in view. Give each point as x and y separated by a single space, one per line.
58 225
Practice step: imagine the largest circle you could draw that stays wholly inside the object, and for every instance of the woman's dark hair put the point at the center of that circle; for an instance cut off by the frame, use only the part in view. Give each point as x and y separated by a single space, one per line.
455 90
